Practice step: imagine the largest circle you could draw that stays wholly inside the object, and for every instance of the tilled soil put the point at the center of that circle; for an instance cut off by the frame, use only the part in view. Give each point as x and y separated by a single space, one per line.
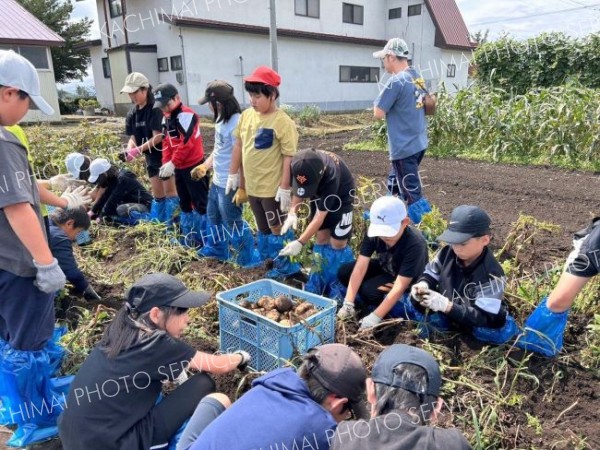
567 408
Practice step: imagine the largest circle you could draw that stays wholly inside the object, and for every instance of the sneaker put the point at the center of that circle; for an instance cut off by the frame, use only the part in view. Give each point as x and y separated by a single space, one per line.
346 311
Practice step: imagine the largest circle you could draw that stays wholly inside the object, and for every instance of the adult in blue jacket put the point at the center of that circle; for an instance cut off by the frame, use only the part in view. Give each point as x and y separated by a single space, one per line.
65 225
285 408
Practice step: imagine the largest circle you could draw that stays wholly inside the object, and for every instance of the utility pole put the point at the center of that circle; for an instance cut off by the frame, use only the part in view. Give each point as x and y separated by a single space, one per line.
273 37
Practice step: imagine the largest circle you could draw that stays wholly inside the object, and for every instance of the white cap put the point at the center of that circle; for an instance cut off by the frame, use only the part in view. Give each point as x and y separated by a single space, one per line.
97 168
74 161
17 72
395 47
387 214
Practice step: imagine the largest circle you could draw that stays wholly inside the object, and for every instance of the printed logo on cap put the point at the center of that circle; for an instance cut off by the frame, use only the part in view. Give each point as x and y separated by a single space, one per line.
301 179
300 191
382 218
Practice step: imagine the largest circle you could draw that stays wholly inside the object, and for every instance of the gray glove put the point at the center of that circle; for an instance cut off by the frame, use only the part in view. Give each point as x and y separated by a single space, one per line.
246 358
370 321
49 278
90 294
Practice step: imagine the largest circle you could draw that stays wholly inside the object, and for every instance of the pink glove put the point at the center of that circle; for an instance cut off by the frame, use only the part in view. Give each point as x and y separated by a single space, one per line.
130 154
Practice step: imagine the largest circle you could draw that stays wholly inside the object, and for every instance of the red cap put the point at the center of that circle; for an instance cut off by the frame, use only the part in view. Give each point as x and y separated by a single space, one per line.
265 75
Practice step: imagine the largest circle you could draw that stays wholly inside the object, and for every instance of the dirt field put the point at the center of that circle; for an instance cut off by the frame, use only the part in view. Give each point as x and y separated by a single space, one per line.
568 199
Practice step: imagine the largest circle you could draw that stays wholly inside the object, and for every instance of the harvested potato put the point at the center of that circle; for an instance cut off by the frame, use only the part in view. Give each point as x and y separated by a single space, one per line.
303 307
245 304
263 300
286 323
273 315
308 313
283 303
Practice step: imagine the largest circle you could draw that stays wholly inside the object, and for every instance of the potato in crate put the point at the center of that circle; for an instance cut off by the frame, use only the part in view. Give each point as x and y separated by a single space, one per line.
273 322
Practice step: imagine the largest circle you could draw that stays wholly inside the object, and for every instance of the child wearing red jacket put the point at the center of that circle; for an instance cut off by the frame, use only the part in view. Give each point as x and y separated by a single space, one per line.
182 151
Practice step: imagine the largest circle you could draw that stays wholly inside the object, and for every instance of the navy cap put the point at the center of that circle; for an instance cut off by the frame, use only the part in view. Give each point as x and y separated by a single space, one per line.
161 289
163 93
390 358
466 221
308 168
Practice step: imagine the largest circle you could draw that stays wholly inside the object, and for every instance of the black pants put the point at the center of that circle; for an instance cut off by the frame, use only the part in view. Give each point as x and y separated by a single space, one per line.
375 278
177 407
192 194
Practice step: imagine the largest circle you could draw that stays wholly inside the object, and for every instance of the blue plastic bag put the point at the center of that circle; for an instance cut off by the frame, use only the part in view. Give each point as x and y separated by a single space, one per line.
543 331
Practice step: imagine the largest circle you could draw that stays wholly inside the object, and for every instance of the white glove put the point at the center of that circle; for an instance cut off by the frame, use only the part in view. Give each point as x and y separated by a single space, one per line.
233 182
435 301
418 290
246 358
290 222
77 198
369 321
292 249
346 311
284 197
166 170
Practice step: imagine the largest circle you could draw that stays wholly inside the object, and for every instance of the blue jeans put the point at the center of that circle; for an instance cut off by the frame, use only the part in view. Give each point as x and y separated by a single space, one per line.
407 179
221 209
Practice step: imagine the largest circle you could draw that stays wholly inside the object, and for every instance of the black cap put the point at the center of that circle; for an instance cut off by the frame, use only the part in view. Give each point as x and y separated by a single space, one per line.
390 358
218 90
340 370
308 168
163 93
161 289
466 221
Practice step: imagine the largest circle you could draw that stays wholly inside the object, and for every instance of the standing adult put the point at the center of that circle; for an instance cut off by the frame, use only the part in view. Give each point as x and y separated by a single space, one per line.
400 102
143 125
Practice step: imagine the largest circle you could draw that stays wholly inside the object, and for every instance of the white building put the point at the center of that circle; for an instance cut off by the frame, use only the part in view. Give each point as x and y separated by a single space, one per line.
324 46
22 32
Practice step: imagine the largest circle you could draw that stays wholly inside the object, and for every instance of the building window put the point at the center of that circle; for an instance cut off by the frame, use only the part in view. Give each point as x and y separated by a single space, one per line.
354 74
414 10
176 63
38 56
163 64
308 8
451 73
353 14
116 9
106 67
395 13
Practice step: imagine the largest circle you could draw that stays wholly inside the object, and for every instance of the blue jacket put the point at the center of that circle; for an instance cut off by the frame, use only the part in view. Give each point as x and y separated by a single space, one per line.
62 249
277 413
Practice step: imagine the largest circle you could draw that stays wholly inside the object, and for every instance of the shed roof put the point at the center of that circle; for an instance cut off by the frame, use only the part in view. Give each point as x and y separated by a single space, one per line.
19 27
451 30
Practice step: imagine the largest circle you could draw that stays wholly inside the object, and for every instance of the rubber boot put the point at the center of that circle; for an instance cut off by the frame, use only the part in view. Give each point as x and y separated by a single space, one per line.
244 253
283 266
544 330
497 336
262 241
169 213
157 209
30 397
418 209
216 243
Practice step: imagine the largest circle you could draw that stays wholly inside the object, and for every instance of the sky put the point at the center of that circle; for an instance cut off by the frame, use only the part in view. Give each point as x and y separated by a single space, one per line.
520 18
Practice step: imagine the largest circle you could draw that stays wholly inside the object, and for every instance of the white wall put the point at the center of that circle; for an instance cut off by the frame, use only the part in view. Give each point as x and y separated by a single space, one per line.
49 93
103 85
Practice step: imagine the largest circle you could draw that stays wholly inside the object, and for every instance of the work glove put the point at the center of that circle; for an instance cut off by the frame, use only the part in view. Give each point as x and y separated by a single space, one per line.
90 294
292 249
77 198
418 290
284 197
61 182
166 170
199 172
435 301
49 278
246 358
233 182
369 321
130 154
240 197
347 311
290 222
